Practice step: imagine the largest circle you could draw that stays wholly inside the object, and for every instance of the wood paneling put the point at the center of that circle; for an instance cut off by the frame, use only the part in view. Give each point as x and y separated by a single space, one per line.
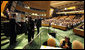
78 32
43 5
28 10
38 4
59 27
65 4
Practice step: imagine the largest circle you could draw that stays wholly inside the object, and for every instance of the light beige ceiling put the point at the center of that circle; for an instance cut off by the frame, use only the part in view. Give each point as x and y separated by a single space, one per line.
64 4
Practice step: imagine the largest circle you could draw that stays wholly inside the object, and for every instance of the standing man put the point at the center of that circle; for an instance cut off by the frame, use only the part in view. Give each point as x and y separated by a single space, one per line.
38 24
12 30
18 21
66 43
30 29
24 27
13 33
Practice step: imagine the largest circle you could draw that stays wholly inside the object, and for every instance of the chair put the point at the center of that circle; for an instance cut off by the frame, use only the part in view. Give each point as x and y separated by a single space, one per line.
51 42
77 45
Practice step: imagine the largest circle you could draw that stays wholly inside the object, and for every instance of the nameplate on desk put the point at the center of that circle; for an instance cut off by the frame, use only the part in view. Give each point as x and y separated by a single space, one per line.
49 47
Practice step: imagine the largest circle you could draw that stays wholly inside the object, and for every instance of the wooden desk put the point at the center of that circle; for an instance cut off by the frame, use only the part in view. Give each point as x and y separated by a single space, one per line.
49 47
45 25
60 27
78 31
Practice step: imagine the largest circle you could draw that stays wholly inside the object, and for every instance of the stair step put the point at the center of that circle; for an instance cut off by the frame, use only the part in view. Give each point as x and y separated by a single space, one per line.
4 21
5 46
3 37
2 33
4 41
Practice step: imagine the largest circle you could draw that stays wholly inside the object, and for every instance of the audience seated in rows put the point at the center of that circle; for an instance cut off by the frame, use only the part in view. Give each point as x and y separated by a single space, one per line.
64 43
66 21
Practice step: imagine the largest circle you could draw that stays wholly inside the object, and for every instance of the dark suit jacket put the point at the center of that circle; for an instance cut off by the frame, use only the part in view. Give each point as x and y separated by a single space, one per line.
38 22
69 44
31 25
12 27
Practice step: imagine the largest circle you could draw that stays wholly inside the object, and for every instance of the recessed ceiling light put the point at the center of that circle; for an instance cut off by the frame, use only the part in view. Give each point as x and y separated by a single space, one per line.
27 7
65 8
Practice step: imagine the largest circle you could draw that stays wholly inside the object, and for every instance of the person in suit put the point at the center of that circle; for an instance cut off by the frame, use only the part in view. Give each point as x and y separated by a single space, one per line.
13 33
38 24
66 43
30 29
12 30
24 27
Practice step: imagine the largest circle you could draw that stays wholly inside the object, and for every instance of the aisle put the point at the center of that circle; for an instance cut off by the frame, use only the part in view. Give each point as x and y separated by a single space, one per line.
60 34
36 44
38 41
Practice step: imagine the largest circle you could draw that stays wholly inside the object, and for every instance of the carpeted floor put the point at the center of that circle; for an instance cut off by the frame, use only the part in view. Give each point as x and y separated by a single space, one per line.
36 44
60 34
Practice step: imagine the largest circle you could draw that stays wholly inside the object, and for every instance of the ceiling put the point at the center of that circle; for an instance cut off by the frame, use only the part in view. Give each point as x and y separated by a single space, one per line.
57 4
65 4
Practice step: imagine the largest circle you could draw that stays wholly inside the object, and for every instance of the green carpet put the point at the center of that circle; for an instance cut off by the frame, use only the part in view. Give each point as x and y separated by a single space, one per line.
60 34
22 39
38 41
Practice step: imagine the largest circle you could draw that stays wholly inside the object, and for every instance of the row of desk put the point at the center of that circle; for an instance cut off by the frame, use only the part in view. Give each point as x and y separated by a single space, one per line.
79 31
56 26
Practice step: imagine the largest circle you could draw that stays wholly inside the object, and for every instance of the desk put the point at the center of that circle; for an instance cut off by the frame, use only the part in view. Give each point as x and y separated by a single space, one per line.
45 25
59 27
48 47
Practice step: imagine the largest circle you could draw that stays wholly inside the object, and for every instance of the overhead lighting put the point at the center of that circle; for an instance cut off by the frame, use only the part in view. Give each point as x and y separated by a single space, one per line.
69 8
44 14
65 8
59 2
33 14
36 14
73 7
27 7
16 13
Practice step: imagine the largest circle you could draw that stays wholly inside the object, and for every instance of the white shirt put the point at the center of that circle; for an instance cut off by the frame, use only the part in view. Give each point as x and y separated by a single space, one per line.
26 19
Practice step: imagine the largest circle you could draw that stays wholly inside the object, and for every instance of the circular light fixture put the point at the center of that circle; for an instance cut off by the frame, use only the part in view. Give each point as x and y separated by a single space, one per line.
65 8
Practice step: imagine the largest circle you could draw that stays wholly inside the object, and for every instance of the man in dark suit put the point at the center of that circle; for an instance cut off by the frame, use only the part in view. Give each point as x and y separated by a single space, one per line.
38 24
66 43
13 33
30 29
12 30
